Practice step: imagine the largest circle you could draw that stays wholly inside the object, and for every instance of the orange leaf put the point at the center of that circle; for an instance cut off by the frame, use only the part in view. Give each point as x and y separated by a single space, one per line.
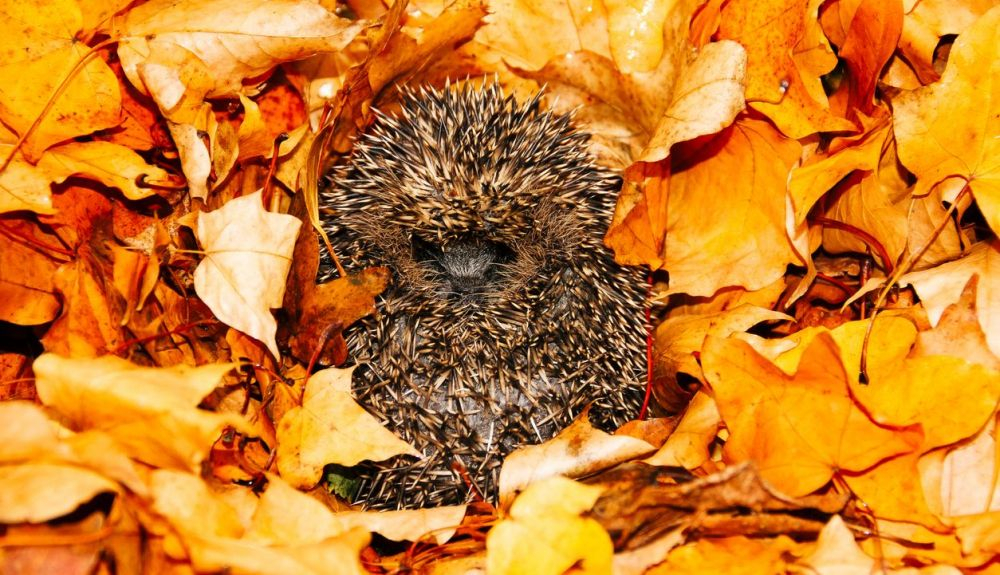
787 54
723 230
949 129
871 41
800 429
39 47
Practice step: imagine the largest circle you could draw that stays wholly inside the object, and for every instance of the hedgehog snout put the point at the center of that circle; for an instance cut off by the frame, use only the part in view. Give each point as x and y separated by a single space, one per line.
468 265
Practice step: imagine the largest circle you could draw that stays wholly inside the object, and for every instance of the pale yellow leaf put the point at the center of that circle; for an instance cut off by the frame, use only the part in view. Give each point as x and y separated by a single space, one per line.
37 492
248 252
331 427
578 450
150 412
706 98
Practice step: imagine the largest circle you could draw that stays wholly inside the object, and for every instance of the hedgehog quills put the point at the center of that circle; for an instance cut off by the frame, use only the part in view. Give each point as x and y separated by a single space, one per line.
506 314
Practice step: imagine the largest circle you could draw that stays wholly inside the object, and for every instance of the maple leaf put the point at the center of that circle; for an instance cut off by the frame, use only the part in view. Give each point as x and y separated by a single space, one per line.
90 101
799 429
331 428
787 53
948 129
546 534
248 253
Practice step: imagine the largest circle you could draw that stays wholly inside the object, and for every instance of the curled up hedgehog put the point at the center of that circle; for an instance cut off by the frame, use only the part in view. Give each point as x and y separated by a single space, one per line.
506 315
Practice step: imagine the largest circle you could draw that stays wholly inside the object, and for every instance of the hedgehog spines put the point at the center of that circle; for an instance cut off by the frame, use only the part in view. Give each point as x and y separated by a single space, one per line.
506 314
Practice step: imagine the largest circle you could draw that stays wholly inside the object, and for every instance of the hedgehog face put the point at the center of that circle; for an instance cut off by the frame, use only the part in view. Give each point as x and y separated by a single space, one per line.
506 314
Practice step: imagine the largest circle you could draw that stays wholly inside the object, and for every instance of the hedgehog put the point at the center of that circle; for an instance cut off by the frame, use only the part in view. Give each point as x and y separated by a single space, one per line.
506 316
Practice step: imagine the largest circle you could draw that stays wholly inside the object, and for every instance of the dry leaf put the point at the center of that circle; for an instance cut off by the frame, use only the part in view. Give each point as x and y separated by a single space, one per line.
37 492
799 429
545 532
90 101
248 253
331 428
151 412
948 129
578 450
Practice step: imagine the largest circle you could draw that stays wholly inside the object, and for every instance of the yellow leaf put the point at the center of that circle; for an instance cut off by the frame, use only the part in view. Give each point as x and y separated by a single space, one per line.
39 46
949 129
730 555
248 252
725 231
213 535
787 53
546 535
111 164
37 492
288 516
836 552
941 286
331 427
706 98
151 412
688 445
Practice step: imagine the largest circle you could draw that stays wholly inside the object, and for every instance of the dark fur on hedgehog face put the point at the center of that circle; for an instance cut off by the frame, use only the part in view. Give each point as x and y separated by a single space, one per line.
506 314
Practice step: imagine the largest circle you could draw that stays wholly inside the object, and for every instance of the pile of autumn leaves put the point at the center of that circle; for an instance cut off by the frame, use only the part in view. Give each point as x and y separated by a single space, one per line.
734 155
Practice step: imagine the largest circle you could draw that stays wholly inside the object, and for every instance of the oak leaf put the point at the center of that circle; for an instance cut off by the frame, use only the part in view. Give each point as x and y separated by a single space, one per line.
248 253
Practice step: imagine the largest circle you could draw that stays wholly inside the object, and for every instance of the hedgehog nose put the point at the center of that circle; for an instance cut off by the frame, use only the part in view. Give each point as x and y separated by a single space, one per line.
469 264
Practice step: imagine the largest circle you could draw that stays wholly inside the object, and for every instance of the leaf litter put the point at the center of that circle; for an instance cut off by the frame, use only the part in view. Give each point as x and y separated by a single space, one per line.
784 162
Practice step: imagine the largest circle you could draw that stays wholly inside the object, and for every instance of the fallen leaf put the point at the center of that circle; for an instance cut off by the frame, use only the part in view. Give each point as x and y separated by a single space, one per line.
213 535
786 55
958 332
184 52
688 445
91 99
331 427
27 292
736 555
836 552
545 532
941 286
735 235
871 40
113 165
578 450
289 516
800 429
948 129
706 98
37 492
151 412
248 253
